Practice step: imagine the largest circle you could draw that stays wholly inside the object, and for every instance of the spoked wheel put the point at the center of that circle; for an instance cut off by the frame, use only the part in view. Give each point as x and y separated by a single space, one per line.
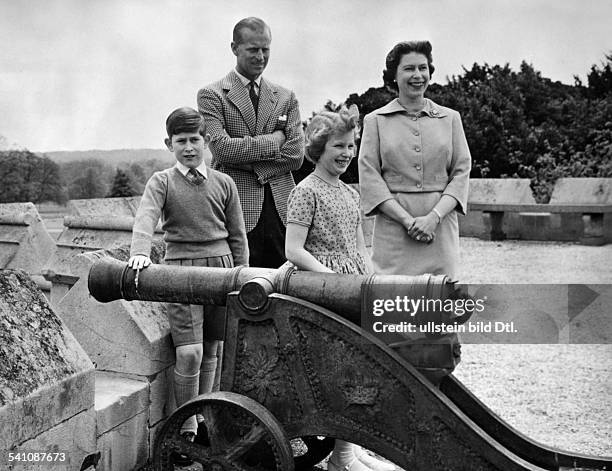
310 451
241 435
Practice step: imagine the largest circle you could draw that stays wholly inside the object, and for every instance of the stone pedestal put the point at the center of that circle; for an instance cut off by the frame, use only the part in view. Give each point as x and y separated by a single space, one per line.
129 337
46 378
94 224
585 191
126 206
122 418
495 191
130 344
25 243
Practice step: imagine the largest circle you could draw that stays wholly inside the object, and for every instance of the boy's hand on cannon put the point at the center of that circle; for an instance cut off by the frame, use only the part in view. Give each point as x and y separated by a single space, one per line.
138 262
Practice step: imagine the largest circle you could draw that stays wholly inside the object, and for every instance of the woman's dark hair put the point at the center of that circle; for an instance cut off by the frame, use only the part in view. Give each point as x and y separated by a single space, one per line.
395 56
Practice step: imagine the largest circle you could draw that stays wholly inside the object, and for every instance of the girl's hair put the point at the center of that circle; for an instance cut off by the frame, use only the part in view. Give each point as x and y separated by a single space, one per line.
326 123
395 56
185 120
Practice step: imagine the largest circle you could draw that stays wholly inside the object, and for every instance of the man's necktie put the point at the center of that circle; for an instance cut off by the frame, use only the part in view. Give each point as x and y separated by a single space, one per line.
253 95
194 176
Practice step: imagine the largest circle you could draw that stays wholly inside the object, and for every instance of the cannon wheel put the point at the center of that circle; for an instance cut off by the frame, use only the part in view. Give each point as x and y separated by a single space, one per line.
316 450
242 435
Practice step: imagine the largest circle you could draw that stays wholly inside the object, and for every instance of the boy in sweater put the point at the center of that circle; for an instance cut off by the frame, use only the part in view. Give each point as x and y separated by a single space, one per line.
203 226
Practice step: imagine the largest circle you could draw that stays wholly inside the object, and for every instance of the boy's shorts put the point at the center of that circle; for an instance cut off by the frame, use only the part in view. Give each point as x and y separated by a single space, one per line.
187 320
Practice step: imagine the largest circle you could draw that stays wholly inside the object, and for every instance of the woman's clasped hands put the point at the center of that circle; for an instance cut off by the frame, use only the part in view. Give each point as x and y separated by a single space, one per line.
422 228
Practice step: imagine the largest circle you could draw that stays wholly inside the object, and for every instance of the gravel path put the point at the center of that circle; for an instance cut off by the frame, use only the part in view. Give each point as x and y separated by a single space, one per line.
558 394
523 261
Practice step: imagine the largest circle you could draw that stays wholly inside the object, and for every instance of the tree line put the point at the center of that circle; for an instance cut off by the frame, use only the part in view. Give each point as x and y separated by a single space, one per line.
36 178
518 124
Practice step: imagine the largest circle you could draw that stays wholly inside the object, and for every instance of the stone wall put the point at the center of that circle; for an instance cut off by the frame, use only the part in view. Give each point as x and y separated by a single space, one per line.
46 379
25 243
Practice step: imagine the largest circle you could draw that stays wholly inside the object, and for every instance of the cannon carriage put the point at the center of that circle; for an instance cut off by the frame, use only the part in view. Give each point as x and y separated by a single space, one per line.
297 365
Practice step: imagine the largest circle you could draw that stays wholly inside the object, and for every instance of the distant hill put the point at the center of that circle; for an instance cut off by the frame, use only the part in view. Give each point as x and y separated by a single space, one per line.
112 157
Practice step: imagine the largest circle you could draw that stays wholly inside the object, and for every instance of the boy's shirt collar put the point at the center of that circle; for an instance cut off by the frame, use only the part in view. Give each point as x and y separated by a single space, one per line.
245 81
183 169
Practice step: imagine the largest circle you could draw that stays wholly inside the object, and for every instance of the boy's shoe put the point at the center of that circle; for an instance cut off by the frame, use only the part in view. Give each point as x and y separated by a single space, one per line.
354 465
179 459
371 461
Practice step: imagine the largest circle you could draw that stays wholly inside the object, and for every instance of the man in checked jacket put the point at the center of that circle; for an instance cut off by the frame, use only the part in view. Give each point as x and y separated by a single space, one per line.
257 139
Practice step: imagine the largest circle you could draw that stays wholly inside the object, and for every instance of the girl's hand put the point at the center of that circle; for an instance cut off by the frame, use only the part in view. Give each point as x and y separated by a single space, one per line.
295 238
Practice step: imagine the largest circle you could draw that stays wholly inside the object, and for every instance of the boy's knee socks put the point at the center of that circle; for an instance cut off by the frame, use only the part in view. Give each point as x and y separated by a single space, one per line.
207 378
207 374
217 382
186 388
343 451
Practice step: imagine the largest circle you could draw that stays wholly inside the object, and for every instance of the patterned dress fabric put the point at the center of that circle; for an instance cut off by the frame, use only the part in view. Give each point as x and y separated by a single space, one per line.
332 215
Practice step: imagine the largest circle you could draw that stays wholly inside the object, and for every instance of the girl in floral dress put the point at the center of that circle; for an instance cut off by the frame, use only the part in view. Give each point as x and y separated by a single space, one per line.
324 230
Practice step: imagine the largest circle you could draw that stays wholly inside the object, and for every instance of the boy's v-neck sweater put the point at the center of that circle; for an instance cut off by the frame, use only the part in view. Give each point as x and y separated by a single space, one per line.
198 221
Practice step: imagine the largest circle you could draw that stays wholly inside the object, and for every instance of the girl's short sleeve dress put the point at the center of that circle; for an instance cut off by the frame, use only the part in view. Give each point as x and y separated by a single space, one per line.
332 216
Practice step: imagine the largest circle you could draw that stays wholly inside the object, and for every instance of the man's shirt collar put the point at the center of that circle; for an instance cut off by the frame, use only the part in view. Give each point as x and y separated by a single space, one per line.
245 81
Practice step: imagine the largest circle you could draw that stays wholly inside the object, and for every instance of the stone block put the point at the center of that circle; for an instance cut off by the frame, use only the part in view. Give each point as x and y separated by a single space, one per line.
550 226
45 376
25 243
497 191
125 447
583 191
161 397
102 223
46 407
500 190
473 225
153 432
129 337
535 226
118 399
71 242
76 437
126 206
57 291
493 226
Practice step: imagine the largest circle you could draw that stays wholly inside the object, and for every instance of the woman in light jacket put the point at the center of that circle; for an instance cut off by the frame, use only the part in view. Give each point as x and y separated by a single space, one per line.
414 166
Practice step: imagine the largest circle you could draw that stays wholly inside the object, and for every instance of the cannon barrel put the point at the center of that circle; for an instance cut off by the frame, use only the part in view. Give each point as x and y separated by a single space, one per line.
347 295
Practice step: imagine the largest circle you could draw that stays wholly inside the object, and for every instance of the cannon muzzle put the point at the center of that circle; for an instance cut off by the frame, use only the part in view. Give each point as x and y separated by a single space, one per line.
348 295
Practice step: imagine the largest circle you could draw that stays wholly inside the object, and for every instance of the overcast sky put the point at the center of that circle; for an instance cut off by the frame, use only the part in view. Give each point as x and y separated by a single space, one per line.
104 74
